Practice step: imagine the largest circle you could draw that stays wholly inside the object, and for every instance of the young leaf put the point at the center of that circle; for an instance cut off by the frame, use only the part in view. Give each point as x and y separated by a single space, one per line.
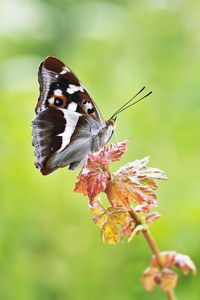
109 220
91 183
165 278
106 155
168 280
185 263
171 259
122 192
151 217
167 259
95 175
138 171
114 152
148 278
145 208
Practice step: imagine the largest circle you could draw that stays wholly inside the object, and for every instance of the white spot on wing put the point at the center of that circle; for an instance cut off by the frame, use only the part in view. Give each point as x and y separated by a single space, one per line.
58 92
71 121
65 70
72 106
51 100
88 105
74 88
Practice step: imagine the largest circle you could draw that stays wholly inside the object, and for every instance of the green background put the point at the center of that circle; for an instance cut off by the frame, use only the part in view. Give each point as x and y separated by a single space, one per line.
49 247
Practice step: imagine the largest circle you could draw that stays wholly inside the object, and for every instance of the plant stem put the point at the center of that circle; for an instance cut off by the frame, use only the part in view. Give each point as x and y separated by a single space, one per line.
171 295
154 247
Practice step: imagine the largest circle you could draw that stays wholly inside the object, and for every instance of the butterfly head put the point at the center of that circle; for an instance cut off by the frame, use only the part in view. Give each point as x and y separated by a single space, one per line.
112 122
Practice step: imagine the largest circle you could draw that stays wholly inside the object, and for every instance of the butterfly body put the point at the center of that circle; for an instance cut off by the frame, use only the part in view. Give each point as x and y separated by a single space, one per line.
68 124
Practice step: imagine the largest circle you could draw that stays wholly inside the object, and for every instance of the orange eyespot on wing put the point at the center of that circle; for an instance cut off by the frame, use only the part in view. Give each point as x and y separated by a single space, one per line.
58 101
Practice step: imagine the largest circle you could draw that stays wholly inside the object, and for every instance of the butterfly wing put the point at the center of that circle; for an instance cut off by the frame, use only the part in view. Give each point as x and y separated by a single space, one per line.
68 124
57 81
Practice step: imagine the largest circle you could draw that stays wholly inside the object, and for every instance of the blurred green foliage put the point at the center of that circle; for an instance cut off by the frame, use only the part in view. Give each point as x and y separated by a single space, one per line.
49 247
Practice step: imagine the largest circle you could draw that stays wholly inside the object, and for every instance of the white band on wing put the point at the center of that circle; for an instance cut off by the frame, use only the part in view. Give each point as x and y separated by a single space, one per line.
71 118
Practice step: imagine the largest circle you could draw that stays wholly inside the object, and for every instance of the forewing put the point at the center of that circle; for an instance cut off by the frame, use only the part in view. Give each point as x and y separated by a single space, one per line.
57 81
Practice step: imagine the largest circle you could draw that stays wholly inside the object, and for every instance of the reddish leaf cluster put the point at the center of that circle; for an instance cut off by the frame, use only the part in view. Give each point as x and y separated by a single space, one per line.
95 176
132 184
131 195
166 277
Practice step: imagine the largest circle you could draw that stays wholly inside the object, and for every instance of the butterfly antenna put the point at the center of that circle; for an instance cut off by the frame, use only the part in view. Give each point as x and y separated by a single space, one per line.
125 106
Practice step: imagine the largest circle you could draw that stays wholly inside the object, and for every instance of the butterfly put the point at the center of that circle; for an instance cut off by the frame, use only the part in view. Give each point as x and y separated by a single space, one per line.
68 124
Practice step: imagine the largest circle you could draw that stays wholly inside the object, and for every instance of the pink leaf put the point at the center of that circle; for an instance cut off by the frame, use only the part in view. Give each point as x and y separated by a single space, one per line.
145 208
137 170
91 183
185 263
171 258
151 217
106 155
168 258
